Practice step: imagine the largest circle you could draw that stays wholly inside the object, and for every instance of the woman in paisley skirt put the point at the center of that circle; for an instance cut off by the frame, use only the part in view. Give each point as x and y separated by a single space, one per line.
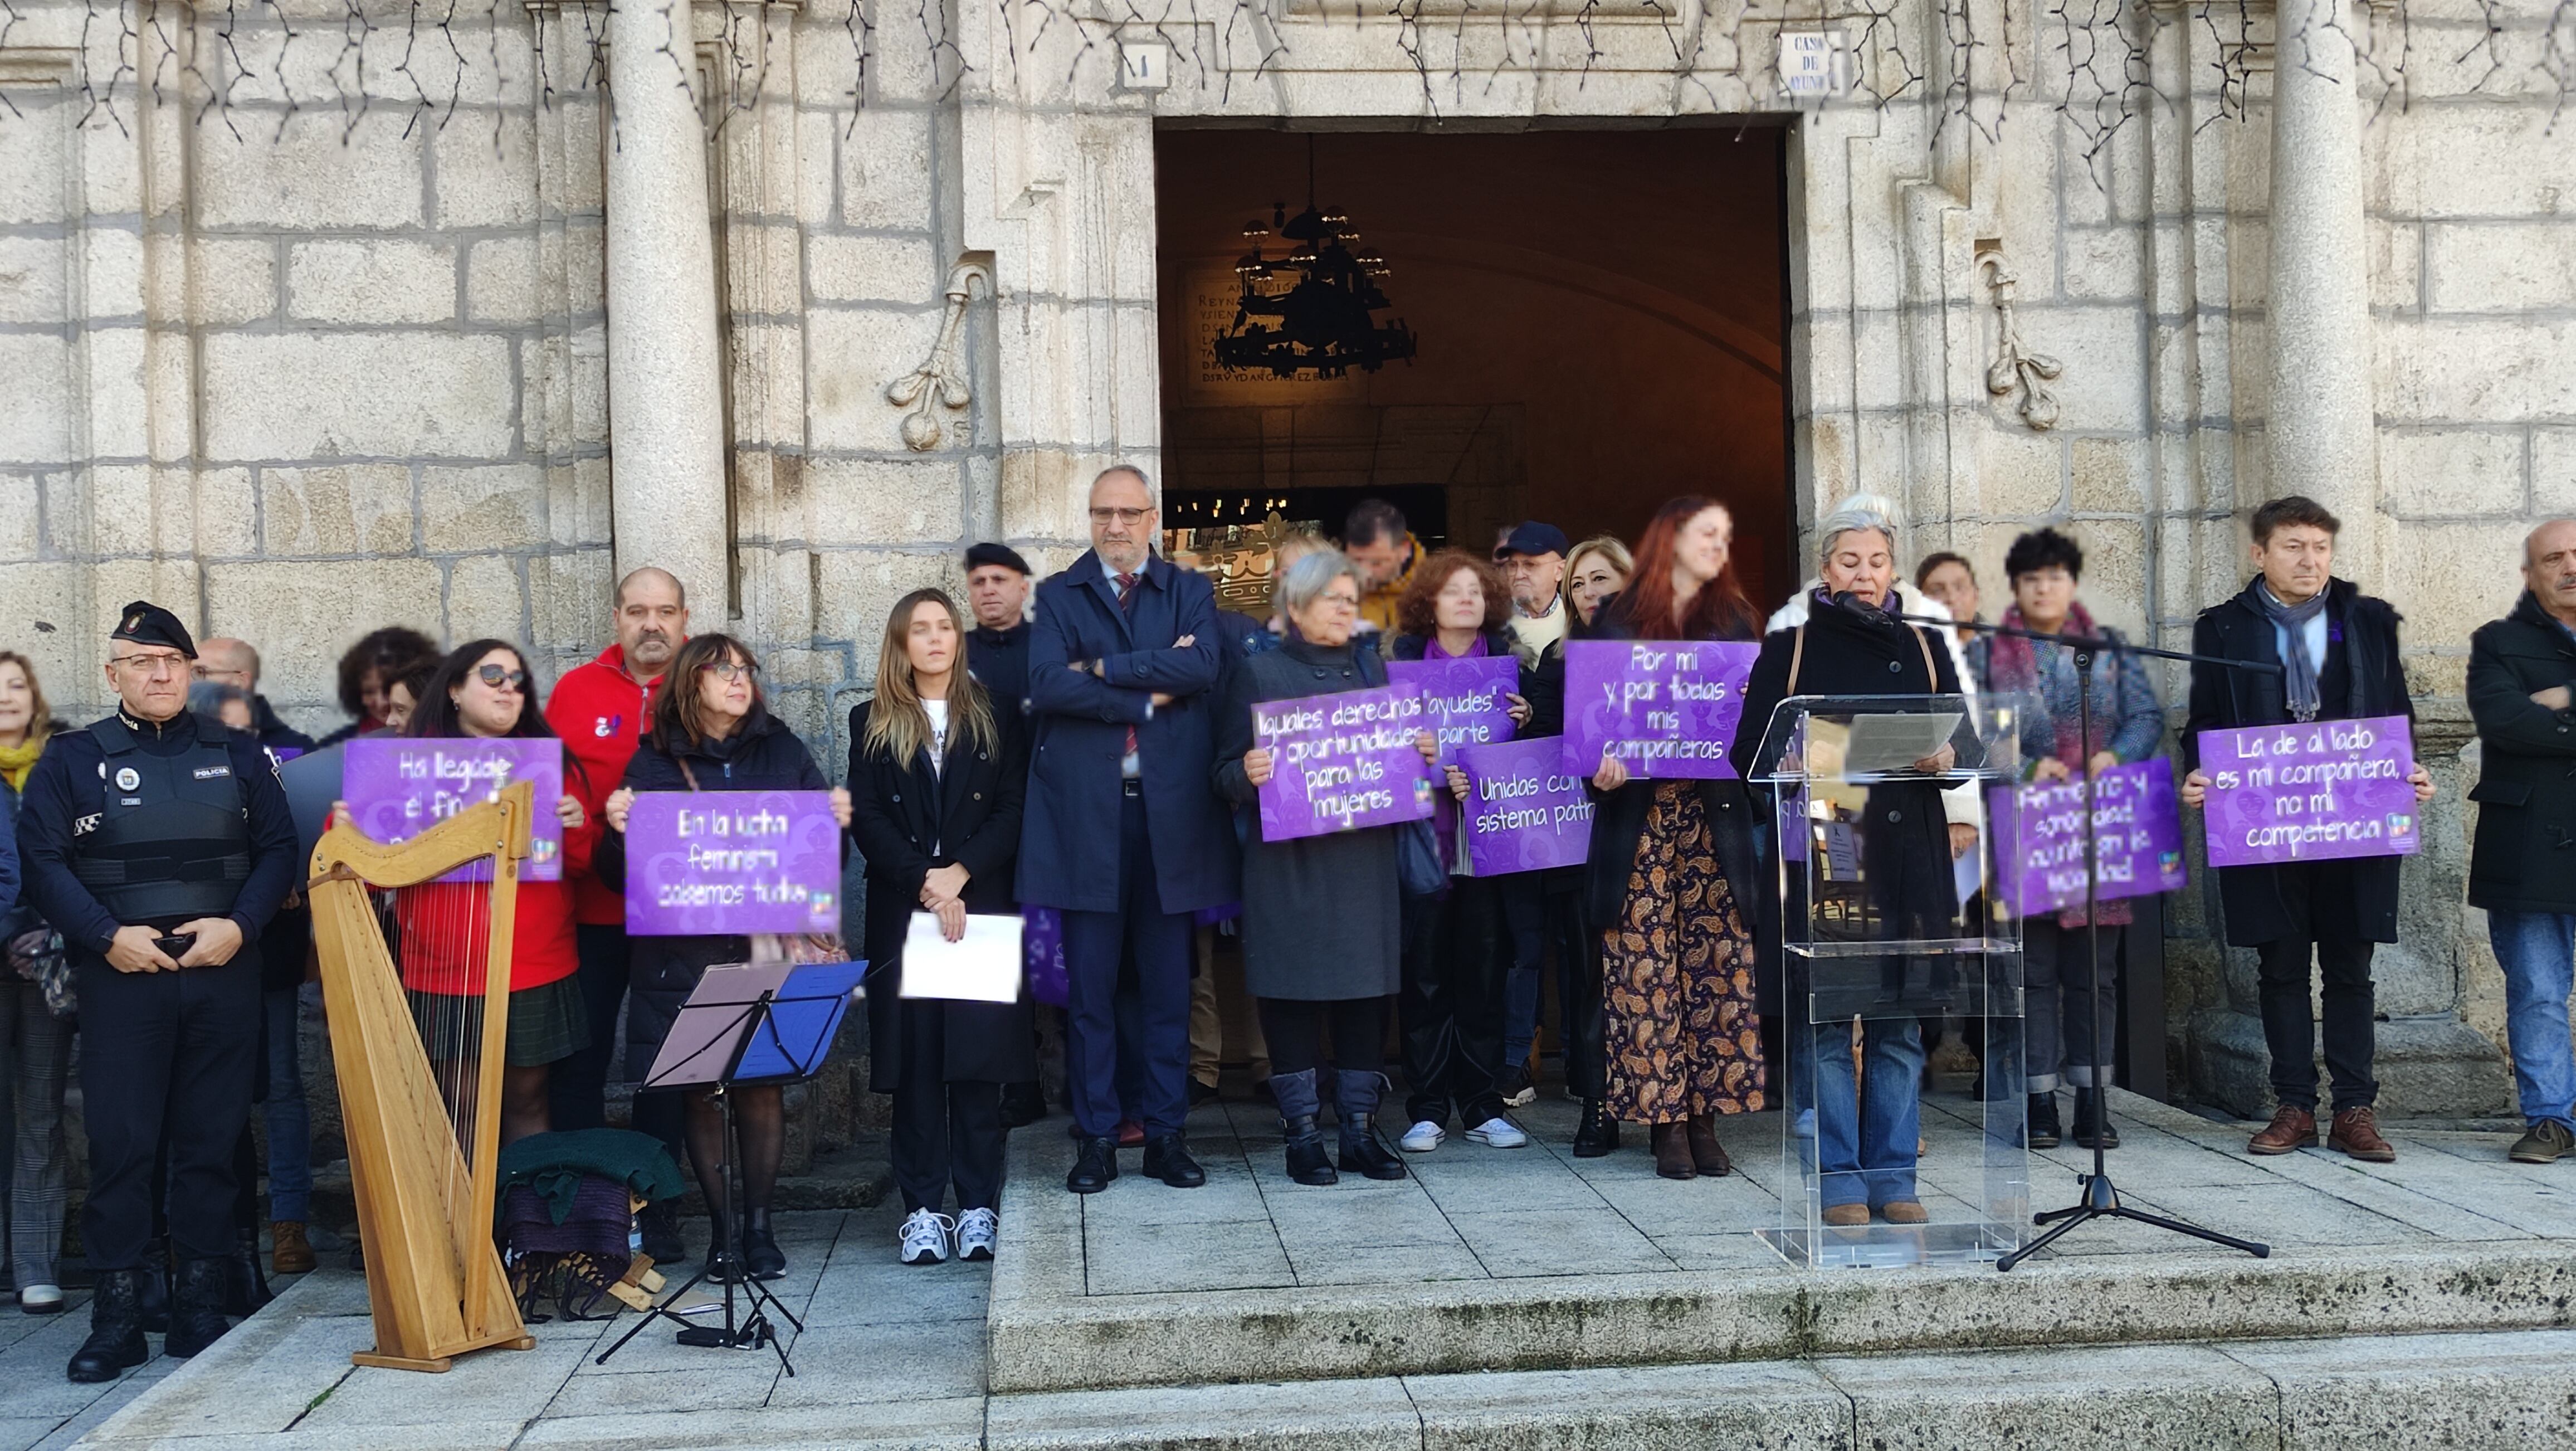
1675 868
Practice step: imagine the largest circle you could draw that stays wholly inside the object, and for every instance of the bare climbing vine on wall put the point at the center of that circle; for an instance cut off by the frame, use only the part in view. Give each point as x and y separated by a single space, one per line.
1963 60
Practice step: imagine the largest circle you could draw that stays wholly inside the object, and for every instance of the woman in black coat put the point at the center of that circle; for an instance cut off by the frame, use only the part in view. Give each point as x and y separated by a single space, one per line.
1322 915
1674 880
711 731
937 777
1853 644
1459 947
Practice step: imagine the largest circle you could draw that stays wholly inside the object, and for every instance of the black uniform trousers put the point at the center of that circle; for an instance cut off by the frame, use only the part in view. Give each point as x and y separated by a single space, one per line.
169 1053
946 1131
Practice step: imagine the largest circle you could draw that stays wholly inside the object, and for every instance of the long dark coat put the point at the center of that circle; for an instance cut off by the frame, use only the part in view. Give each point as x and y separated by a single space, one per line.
906 821
762 755
1079 724
2353 899
1321 914
2525 858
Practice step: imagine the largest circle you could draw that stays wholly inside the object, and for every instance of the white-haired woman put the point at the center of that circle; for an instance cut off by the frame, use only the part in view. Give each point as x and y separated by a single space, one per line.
1852 643
1322 918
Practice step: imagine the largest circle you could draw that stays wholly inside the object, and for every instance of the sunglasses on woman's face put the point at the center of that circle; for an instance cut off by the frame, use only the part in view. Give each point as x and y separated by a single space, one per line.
731 669
497 676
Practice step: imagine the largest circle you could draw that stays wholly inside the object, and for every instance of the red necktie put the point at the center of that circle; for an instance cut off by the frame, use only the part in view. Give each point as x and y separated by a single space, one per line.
1126 597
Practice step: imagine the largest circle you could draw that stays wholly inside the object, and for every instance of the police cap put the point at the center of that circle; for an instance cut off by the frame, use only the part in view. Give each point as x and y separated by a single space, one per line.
145 623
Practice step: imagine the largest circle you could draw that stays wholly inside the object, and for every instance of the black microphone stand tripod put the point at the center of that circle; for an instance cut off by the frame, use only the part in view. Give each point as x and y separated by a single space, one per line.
2100 1197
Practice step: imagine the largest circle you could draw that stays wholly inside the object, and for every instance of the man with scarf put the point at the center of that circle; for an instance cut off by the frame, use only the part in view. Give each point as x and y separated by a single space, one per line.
2069 983
2337 652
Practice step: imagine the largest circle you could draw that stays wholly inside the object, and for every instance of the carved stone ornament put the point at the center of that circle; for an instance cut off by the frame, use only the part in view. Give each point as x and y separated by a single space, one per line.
940 382
2014 367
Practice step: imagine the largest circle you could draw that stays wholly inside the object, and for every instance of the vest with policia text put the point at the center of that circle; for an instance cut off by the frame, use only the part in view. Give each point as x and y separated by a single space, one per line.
173 844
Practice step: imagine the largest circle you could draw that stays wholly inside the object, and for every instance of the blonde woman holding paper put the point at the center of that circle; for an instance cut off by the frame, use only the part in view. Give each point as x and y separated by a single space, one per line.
937 776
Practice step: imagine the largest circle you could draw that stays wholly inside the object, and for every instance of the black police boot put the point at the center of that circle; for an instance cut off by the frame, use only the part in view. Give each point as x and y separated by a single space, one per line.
152 1287
197 1307
245 1287
115 1343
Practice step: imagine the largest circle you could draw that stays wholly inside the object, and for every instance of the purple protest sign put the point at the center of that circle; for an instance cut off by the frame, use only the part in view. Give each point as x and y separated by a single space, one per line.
1665 708
1525 811
2039 838
1462 700
1340 762
722 862
399 787
2329 788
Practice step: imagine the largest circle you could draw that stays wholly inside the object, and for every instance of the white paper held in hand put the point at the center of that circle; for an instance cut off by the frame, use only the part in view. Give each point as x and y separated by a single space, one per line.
983 966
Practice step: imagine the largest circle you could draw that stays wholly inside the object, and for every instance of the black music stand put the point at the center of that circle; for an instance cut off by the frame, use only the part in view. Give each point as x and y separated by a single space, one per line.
2100 1197
744 1026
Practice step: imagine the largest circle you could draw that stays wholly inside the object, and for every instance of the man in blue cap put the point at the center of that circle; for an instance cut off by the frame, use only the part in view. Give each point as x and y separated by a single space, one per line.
1533 560
159 844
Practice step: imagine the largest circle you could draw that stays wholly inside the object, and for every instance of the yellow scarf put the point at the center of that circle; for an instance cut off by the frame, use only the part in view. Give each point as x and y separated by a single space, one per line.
17 761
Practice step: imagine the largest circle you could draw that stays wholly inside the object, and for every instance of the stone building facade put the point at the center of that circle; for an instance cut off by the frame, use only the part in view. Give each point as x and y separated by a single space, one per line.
317 316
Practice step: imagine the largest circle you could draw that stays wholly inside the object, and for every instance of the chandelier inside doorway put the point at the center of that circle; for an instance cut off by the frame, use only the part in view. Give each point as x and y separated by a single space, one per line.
1312 310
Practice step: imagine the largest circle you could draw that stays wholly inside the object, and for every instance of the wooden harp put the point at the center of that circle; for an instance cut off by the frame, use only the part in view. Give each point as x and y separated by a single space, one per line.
420 1087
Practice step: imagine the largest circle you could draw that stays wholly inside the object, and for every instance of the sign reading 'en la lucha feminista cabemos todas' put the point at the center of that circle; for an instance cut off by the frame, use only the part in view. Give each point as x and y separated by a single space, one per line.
2309 792
398 788
1341 762
732 862
1667 709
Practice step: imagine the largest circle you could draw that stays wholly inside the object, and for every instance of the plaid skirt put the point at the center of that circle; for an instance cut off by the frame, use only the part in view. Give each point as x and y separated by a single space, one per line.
546 1023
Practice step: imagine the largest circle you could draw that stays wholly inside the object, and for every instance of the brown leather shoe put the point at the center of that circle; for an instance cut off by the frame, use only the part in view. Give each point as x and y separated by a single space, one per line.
1672 1151
1707 1154
2356 1132
2292 1128
290 1253
1904 1211
1846 1216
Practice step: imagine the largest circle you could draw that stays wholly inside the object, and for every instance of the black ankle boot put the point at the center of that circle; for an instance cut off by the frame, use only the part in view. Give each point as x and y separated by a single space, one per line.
2087 1100
1307 1161
1355 1099
245 1286
197 1307
2045 1131
115 1343
1599 1132
660 1224
762 1259
152 1287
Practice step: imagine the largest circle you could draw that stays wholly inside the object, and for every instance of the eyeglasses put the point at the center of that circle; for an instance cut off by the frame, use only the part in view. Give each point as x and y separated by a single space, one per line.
497 676
1122 516
731 670
203 671
169 663
1348 602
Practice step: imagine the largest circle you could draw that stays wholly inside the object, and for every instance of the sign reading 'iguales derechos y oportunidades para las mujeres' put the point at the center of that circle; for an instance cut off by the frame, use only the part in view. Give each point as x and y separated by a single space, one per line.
1340 762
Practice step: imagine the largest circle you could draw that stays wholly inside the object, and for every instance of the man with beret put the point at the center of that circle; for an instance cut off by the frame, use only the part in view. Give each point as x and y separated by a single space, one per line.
997 651
159 843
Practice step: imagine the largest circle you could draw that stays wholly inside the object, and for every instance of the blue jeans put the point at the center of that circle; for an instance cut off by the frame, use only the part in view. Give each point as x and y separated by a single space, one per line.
1865 1144
290 1127
2538 950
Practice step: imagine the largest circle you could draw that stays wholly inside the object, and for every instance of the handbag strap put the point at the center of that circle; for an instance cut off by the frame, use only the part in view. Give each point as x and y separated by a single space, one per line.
685 773
1797 658
1931 676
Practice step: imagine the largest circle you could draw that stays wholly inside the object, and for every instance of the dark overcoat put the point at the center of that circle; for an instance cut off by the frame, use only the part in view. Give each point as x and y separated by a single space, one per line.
2525 857
2353 899
906 820
1068 855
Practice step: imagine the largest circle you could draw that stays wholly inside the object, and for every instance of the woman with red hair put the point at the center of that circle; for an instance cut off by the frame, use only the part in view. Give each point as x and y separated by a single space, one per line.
1675 876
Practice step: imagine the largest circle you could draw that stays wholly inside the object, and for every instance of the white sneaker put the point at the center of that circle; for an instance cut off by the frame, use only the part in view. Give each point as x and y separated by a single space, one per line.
1422 1138
41 1299
925 1237
976 1231
1499 1133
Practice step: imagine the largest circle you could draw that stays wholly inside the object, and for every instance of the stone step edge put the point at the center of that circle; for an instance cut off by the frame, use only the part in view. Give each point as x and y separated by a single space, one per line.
1580 1322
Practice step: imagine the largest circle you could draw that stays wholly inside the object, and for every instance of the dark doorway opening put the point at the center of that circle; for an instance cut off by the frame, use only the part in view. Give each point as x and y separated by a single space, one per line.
1601 324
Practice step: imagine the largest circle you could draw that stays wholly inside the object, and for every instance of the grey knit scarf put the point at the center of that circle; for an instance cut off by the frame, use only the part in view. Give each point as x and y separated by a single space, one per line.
2293 621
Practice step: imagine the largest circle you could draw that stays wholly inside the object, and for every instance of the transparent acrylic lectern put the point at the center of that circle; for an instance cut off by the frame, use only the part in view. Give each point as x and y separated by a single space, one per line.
1886 937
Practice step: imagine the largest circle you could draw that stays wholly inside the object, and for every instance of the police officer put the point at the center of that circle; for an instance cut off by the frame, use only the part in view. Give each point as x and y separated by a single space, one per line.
158 843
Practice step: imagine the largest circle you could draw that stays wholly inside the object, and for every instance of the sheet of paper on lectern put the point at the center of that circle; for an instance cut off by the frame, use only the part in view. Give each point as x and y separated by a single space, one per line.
983 966
1881 744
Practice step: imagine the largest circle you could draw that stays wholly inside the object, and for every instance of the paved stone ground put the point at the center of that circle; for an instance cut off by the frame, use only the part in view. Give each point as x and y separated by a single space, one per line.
38 1408
899 1356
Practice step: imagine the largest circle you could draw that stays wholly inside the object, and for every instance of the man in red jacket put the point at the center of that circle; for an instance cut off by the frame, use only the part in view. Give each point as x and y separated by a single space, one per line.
601 710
